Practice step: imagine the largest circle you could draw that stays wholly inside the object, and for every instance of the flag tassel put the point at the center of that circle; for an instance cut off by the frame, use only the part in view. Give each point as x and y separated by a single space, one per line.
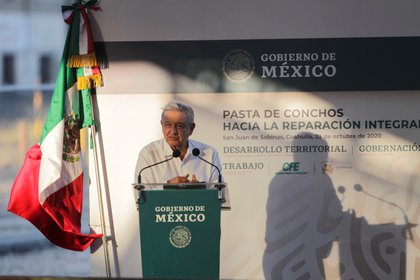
85 82
82 60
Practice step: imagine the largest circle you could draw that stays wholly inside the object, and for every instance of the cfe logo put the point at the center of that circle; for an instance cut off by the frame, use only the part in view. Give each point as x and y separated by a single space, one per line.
291 168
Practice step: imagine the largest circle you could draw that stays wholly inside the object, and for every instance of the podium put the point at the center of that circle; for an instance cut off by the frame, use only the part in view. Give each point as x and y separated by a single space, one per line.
179 230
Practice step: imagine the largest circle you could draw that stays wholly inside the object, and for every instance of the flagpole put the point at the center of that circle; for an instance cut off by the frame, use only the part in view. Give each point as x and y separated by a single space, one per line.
99 191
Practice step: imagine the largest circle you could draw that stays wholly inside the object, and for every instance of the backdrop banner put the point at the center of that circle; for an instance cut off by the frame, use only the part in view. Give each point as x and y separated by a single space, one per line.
319 143
335 64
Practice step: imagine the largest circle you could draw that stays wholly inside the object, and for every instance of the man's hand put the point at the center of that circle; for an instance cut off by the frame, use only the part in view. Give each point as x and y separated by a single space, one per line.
193 179
179 179
182 179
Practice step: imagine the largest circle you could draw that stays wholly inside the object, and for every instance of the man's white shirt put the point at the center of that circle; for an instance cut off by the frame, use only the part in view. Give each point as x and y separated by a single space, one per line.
159 150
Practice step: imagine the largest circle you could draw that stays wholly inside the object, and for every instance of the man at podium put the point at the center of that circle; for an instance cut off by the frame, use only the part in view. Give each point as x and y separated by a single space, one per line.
176 158
177 162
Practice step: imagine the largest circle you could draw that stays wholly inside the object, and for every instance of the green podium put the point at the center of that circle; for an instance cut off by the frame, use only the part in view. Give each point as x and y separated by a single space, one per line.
180 233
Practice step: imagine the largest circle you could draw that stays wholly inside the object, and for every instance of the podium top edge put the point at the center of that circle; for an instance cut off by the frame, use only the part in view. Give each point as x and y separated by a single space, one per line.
178 184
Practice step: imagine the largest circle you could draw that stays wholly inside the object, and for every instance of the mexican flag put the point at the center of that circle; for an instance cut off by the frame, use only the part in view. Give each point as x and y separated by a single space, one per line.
48 190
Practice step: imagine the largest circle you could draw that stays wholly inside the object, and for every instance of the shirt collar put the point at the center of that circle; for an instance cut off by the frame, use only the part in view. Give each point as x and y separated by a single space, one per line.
191 147
167 150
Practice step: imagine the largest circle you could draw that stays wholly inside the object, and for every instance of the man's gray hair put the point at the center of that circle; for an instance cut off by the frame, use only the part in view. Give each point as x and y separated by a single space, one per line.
189 112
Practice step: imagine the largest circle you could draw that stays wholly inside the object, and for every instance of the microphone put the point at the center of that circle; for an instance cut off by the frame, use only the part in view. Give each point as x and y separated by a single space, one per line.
175 154
196 152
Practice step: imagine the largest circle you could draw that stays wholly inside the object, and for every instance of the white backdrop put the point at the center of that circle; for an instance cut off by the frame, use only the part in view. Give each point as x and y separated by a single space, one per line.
129 120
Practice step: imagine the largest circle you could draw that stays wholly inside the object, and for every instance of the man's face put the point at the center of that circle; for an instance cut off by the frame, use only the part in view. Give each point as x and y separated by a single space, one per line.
176 129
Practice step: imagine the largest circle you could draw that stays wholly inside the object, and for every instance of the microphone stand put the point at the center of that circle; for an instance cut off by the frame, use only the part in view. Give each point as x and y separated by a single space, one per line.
220 186
175 154
408 226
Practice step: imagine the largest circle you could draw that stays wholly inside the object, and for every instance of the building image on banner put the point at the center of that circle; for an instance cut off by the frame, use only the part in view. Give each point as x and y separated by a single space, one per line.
317 136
